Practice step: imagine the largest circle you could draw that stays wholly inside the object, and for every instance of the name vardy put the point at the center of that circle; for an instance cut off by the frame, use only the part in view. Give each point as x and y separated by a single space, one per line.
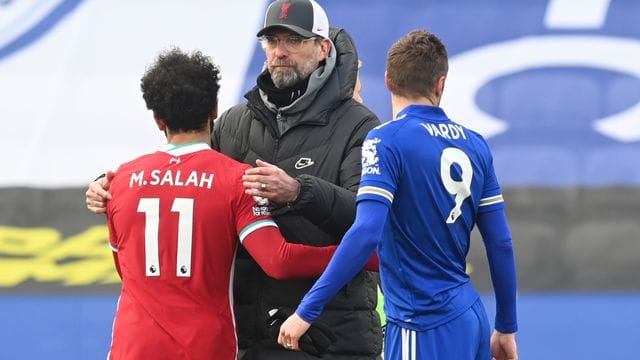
447 131
170 178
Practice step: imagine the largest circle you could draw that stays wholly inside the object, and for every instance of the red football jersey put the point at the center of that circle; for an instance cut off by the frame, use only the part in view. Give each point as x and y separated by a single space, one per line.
174 221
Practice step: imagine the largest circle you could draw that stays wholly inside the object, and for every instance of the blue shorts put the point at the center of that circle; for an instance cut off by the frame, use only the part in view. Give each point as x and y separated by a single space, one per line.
466 337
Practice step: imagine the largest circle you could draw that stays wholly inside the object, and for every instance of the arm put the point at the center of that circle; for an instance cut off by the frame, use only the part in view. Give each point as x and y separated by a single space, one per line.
357 245
116 262
497 238
336 205
300 193
282 260
113 241
333 207
325 204
330 206
98 193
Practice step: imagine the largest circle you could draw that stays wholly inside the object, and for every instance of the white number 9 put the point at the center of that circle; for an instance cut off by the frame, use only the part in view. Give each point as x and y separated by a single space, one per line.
460 189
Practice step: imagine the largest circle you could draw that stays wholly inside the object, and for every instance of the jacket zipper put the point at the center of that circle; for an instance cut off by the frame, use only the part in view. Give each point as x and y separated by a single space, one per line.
276 143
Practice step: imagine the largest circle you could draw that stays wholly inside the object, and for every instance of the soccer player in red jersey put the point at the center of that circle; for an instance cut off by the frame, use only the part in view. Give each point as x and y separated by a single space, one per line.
175 218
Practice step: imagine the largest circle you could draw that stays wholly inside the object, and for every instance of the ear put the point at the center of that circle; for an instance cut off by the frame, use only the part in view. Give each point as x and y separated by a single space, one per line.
160 123
386 81
325 48
440 86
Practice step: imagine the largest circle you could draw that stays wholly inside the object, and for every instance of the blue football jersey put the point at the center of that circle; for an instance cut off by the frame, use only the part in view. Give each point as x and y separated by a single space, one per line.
436 176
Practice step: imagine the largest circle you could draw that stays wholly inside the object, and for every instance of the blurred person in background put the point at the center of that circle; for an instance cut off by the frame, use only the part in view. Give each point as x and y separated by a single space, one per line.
303 129
426 182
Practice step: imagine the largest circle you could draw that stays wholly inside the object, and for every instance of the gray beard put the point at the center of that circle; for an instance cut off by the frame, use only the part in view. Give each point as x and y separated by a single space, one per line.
288 77
283 79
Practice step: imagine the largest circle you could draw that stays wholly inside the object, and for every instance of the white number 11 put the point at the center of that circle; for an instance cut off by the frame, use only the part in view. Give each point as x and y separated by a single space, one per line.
151 208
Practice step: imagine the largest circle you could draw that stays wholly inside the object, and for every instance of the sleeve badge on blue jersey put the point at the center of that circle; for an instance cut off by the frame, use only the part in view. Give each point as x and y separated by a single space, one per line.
370 157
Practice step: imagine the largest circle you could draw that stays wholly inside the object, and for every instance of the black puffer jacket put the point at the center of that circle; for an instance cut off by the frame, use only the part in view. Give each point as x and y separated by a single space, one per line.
316 139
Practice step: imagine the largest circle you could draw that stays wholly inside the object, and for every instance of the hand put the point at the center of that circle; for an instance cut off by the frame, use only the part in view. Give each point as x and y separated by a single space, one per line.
291 331
503 346
316 341
271 182
98 194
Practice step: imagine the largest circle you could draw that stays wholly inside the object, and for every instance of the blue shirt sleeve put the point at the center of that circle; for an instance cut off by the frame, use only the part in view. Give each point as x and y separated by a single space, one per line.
497 239
352 254
491 198
381 167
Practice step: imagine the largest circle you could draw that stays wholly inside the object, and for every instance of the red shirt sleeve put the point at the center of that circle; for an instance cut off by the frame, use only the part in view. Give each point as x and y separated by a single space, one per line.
280 259
113 244
283 260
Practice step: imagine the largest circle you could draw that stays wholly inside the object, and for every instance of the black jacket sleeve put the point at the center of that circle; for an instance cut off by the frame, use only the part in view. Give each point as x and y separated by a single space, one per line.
329 206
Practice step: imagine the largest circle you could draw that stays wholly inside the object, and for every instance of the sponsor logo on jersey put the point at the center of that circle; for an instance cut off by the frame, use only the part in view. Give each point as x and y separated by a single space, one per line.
370 157
261 211
262 206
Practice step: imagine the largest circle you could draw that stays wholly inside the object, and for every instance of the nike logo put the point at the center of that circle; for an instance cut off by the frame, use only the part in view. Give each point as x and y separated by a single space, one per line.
303 163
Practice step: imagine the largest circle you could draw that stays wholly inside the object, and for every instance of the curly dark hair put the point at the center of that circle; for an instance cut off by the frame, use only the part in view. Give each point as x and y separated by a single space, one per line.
181 89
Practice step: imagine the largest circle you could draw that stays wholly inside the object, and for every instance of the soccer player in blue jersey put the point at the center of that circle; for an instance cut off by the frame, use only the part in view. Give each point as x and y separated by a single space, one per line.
426 181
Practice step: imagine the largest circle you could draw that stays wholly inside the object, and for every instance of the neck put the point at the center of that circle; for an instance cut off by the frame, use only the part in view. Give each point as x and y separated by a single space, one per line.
281 97
398 103
184 138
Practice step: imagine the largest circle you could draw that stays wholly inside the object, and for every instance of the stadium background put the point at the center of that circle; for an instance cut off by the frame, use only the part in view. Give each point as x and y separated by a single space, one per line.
553 84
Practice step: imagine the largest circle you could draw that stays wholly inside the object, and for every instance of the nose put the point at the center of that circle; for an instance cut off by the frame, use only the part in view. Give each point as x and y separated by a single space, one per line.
280 50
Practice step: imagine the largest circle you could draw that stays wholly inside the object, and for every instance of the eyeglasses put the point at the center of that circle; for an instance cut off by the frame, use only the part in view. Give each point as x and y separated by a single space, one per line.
292 43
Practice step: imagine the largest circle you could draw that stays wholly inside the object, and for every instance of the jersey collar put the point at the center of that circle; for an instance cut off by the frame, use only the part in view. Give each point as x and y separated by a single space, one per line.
422 111
184 149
